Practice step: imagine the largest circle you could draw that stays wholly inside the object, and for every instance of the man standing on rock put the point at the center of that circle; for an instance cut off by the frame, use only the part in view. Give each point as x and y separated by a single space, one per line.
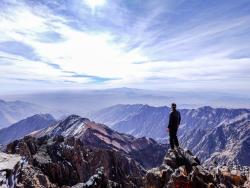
174 122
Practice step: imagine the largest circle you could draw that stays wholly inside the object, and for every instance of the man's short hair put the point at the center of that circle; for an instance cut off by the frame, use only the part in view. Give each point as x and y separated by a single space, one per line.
173 105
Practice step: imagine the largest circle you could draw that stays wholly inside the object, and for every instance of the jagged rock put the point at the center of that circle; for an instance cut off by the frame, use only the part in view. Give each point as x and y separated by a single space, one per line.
179 178
33 177
180 157
185 170
24 147
67 162
157 177
15 172
201 177
57 162
98 180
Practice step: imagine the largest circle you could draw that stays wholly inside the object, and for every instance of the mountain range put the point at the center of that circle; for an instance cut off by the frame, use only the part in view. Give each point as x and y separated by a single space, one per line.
96 99
211 133
25 126
79 153
14 111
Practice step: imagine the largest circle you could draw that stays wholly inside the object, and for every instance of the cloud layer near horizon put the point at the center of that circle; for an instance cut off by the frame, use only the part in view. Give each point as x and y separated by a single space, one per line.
145 44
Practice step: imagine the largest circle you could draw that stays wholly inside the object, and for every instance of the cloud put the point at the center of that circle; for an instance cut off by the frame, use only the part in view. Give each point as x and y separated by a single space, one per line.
50 37
53 65
126 43
19 48
92 78
240 54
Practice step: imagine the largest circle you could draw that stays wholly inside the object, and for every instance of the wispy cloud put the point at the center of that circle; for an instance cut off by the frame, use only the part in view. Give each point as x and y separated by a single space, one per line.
96 79
154 44
19 49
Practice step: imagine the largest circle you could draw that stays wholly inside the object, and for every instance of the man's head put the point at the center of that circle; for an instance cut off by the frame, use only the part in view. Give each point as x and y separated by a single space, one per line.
173 106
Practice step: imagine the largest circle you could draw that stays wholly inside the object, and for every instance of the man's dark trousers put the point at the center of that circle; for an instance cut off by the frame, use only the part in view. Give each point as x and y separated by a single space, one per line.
173 138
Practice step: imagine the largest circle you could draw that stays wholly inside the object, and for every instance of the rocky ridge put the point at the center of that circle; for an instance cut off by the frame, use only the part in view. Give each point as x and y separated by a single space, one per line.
144 150
80 167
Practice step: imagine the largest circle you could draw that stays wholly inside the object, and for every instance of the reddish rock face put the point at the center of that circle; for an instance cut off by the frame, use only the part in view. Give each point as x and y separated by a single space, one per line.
68 162
145 151
70 152
33 177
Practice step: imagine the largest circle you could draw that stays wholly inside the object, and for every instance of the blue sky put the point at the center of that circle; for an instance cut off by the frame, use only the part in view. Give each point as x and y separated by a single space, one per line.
166 45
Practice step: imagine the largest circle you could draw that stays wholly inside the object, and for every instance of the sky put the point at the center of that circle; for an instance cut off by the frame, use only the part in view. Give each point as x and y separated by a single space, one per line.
160 45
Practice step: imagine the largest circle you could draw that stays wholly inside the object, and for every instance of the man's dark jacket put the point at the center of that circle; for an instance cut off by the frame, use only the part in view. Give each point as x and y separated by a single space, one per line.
174 120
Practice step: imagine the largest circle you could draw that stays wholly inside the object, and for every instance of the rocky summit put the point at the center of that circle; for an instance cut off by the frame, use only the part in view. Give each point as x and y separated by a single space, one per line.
66 163
181 168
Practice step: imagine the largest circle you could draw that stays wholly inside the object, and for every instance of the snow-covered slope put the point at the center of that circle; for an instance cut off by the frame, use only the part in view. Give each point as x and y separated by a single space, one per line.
24 127
8 161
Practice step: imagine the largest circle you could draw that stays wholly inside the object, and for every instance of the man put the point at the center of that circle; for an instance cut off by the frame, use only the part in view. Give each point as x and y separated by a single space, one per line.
174 122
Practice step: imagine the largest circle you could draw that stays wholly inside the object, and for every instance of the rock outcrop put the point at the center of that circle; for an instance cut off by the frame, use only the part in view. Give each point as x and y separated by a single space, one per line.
182 169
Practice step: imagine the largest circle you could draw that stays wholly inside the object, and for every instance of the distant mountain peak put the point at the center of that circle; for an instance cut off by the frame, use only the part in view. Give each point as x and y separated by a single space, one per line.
14 111
44 116
25 126
206 108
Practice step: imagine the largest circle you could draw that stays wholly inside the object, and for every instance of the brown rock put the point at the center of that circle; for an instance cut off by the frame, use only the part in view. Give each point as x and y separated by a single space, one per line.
33 177
67 162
